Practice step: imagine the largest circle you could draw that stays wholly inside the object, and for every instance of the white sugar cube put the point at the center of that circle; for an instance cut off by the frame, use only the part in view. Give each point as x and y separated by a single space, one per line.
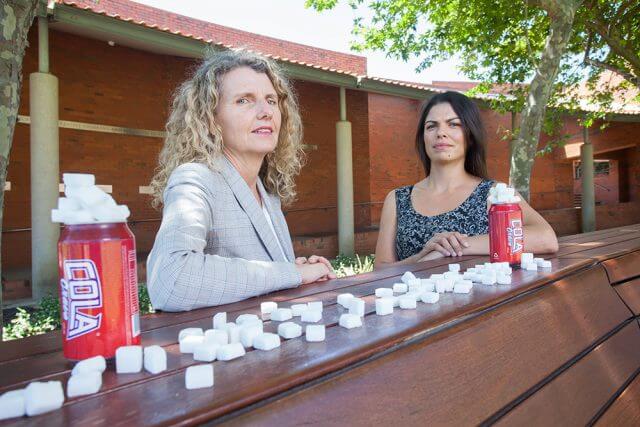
247 318
462 287
190 331
413 294
396 301
538 261
281 314
219 320
504 279
267 307
489 279
454 267
444 285
356 306
41 397
266 341
92 364
384 292
414 282
452 275
86 196
199 376
230 351
206 352
298 309
248 332
546 264
400 288
314 333
428 285
315 305
216 336
78 179
129 359
407 302
66 204
350 321
384 306
189 343
526 257
12 404
84 384
407 276
343 300
289 330
531 266
233 331
430 297
155 359
311 316
78 217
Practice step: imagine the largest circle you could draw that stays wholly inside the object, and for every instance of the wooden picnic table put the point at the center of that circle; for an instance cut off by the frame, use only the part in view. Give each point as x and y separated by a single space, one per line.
560 346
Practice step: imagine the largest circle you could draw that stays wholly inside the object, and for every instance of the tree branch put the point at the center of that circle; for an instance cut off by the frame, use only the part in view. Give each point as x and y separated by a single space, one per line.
615 44
627 76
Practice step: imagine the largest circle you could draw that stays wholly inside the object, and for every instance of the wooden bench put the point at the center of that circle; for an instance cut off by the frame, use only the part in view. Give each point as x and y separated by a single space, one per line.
555 347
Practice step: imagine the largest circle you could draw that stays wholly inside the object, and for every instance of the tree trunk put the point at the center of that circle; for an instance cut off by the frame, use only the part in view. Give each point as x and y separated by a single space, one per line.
525 146
16 17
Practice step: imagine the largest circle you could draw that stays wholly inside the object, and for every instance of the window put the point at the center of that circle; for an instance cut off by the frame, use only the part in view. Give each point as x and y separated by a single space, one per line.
600 167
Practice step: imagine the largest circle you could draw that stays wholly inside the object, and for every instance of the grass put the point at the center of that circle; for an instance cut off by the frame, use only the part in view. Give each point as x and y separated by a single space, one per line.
46 317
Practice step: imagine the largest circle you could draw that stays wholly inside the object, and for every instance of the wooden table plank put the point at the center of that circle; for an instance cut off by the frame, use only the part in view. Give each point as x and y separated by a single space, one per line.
576 395
594 235
266 374
625 410
51 342
465 374
630 294
54 365
624 267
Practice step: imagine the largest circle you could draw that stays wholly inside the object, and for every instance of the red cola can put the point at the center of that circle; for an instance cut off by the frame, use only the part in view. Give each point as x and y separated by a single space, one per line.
98 289
506 233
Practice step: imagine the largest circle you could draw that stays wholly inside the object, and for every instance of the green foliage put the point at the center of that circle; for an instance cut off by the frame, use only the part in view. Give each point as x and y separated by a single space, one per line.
46 317
500 42
348 266
34 322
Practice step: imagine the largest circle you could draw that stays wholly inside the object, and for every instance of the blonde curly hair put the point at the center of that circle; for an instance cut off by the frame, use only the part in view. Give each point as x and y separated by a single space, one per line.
193 135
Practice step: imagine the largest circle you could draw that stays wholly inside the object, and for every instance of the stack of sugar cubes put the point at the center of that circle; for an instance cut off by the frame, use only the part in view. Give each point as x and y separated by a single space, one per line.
35 399
501 193
528 262
86 203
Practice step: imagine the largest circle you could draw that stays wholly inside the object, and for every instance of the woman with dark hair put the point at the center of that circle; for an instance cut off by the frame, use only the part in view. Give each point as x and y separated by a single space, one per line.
446 213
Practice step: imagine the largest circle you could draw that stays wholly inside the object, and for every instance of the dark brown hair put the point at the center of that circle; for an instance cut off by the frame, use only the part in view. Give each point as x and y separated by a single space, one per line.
474 135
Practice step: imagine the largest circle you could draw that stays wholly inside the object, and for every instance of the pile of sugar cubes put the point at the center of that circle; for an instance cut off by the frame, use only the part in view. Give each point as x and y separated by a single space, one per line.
86 378
230 340
86 203
501 194
411 290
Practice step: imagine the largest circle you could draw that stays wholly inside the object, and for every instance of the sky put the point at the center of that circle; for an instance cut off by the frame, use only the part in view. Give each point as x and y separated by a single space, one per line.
290 20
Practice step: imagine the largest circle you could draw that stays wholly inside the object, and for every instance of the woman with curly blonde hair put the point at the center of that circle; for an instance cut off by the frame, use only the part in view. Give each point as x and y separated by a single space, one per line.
232 151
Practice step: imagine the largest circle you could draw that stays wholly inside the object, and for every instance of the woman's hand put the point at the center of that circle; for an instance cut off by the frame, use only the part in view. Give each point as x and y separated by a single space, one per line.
315 268
449 243
431 256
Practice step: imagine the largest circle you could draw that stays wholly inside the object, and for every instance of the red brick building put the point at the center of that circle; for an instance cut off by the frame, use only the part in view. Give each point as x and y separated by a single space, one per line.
117 63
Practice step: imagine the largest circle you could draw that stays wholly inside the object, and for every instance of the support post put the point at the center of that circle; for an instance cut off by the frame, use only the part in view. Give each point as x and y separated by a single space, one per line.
45 170
588 192
344 166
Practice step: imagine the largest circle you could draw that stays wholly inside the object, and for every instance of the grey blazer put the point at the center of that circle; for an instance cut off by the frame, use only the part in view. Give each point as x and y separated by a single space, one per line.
214 245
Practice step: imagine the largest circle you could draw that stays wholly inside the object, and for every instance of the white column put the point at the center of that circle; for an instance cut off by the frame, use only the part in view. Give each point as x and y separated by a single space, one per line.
45 171
588 190
344 165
